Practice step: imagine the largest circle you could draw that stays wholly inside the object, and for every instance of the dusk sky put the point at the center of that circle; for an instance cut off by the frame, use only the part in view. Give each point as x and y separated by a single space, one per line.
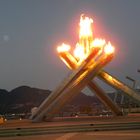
30 31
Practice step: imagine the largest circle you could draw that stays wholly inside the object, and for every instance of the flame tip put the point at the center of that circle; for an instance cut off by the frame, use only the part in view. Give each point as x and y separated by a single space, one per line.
63 48
109 49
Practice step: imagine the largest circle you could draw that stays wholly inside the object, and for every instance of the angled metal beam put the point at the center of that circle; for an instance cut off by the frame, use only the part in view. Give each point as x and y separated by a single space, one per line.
65 84
115 83
73 89
93 86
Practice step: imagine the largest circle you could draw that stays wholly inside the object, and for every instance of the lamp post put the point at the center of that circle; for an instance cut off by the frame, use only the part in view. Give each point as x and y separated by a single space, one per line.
134 83
132 80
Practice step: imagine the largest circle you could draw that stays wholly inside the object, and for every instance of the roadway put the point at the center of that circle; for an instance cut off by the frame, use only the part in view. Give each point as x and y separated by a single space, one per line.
105 135
61 121
81 128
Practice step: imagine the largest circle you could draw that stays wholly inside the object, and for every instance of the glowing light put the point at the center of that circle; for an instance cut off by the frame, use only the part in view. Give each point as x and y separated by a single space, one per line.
79 52
85 26
98 42
109 49
63 48
85 47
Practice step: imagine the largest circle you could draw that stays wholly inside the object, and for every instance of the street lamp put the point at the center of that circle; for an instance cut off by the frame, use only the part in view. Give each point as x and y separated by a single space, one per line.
131 79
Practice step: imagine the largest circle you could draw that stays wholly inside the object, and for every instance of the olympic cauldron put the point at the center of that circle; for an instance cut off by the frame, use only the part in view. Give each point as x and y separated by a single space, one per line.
87 61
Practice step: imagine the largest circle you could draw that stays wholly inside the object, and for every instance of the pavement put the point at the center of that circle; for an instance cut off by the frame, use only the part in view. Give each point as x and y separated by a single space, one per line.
112 135
62 121
96 135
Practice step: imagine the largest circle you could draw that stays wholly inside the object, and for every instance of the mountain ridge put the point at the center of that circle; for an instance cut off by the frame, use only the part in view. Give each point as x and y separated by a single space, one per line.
24 98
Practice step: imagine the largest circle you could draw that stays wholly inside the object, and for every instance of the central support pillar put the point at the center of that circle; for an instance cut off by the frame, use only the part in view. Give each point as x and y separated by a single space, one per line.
73 88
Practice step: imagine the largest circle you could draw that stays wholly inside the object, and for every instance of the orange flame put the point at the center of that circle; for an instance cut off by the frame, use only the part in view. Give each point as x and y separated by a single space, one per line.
82 49
109 49
85 27
79 52
98 42
63 48
85 45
